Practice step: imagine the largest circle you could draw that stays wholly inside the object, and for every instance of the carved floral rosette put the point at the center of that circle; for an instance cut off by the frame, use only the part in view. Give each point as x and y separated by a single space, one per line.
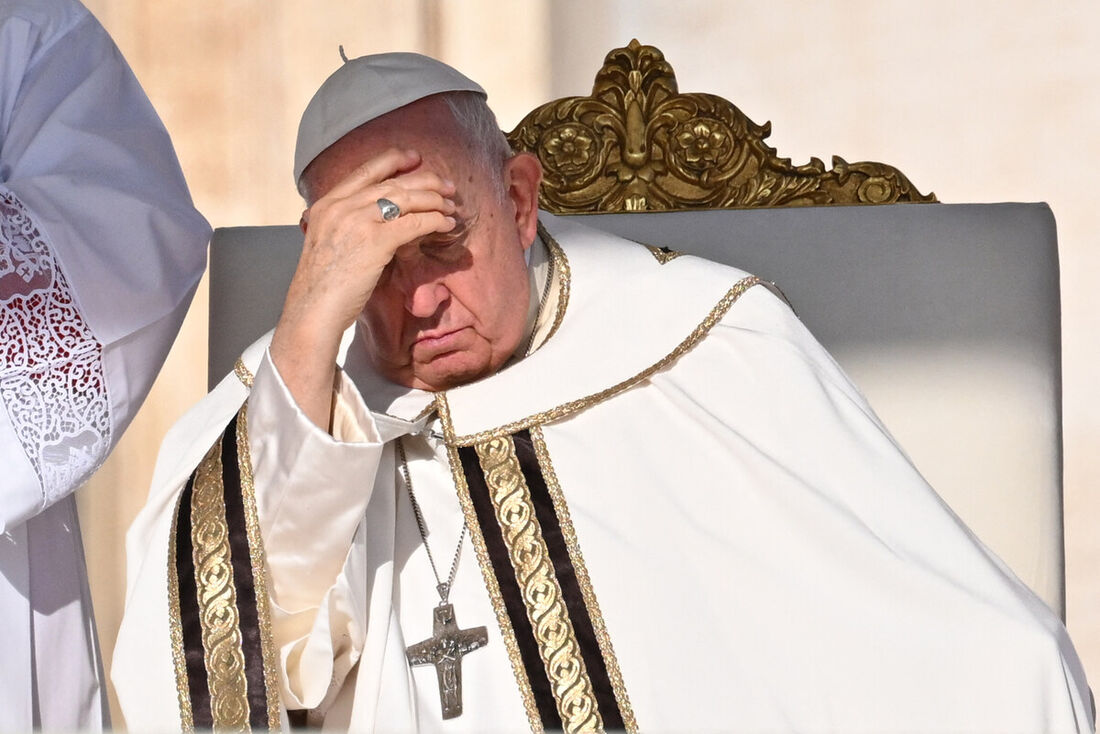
637 144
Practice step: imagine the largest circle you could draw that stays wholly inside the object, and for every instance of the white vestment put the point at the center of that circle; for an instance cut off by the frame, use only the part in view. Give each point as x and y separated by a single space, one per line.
100 253
703 524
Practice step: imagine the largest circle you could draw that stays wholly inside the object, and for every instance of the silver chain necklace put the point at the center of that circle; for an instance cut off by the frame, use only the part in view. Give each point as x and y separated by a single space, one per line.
445 648
443 587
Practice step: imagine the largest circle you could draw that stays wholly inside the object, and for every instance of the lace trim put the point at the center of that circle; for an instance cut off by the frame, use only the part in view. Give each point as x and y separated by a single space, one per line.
51 381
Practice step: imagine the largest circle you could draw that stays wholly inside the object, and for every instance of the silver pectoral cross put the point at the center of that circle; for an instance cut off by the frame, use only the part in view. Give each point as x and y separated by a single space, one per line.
444 649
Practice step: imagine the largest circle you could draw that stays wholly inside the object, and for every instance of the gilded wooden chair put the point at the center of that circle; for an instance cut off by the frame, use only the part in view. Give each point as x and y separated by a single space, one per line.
946 315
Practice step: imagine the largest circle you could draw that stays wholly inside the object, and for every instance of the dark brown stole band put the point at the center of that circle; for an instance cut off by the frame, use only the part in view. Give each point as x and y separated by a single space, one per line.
511 592
244 583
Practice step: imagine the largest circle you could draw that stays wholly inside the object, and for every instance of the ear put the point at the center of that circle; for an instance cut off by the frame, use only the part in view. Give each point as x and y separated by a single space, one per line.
522 175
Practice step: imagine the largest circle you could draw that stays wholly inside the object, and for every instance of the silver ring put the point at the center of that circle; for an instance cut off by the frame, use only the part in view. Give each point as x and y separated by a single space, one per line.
390 211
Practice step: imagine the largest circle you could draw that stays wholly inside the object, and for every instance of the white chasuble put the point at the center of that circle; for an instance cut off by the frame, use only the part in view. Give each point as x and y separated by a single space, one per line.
682 517
100 253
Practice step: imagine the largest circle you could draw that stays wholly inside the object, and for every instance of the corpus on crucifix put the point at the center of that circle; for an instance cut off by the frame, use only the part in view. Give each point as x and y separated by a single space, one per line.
444 649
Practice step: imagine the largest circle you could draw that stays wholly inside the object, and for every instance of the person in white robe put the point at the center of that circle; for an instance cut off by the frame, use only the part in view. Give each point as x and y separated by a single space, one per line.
100 253
561 482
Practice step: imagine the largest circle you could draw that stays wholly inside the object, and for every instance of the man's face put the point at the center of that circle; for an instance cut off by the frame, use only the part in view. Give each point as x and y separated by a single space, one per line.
449 308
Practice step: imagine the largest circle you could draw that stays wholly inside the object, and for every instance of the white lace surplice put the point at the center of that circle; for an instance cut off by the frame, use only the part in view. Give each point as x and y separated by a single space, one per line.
100 253
52 384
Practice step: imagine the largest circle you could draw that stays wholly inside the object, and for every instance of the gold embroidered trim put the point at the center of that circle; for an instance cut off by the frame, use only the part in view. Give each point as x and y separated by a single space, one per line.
542 595
175 628
569 533
259 570
662 255
566 409
505 624
561 265
243 373
217 597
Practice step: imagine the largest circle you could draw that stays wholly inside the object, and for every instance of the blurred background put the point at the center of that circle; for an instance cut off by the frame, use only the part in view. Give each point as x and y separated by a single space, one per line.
986 101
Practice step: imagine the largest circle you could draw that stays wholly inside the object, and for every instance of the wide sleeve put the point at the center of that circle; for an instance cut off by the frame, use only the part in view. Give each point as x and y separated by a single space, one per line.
312 490
100 251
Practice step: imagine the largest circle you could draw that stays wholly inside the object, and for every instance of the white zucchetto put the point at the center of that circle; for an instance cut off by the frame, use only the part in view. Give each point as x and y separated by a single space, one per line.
366 88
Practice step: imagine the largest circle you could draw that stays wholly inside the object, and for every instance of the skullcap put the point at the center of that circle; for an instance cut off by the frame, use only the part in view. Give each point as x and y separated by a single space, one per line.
365 88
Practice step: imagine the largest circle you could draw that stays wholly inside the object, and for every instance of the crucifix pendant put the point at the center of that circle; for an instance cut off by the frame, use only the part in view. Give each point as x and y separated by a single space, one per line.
444 649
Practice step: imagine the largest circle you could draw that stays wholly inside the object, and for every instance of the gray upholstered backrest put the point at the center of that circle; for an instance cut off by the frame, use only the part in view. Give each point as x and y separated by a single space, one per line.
947 316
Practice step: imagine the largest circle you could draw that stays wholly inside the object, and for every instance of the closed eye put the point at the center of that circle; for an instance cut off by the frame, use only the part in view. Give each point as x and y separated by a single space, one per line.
440 243
447 246
442 248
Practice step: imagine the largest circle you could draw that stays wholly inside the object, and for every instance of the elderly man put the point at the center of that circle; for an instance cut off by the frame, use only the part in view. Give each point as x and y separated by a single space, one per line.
684 517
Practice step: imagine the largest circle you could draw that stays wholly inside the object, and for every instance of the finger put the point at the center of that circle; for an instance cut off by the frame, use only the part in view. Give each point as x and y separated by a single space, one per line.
394 235
414 201
409 227
349 232
421 179
378 168
403 190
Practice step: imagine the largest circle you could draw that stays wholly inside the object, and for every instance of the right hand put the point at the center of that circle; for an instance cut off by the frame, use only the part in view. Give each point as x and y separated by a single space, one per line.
347 246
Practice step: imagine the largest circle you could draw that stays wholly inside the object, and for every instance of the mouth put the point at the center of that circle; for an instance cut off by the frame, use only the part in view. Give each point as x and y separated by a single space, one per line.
436 343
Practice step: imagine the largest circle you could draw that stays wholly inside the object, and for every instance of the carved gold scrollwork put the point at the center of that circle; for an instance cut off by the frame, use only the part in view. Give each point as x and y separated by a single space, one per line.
637 144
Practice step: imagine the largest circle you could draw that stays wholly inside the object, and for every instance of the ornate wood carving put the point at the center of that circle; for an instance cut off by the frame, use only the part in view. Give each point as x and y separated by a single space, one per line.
637 144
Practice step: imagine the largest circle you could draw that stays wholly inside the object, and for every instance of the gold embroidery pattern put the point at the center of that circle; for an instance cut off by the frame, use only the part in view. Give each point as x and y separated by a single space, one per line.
662 255
583 580
561 264
175 628
217 597
554 633
259 570
478 540
243 373
567 409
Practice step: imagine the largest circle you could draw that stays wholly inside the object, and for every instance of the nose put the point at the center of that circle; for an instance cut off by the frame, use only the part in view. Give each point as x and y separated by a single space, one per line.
423 290
424 300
